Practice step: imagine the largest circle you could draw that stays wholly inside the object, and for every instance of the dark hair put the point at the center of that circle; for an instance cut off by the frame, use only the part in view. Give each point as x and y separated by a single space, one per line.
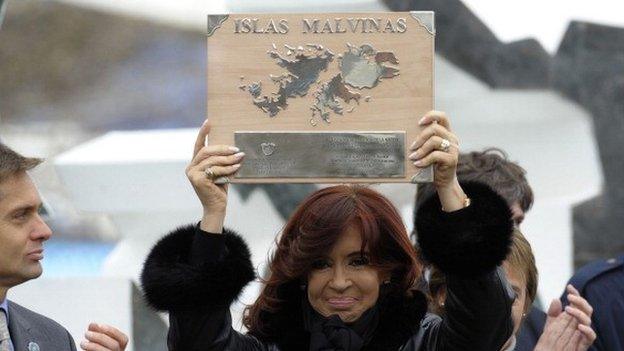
491 167
12 163
312 231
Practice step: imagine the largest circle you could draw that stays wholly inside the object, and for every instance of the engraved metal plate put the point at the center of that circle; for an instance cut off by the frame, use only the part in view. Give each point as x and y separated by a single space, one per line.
322 154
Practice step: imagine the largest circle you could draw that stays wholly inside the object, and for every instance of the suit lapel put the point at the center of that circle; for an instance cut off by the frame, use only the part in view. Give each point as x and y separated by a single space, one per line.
22 332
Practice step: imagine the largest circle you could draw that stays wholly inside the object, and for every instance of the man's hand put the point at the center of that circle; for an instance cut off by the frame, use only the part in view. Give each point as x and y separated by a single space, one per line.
102 337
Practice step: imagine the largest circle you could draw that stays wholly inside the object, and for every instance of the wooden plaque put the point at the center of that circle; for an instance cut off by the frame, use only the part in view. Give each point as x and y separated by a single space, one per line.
321 98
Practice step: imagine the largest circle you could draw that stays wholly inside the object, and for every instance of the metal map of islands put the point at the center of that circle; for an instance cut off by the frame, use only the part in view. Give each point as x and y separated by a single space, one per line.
361 67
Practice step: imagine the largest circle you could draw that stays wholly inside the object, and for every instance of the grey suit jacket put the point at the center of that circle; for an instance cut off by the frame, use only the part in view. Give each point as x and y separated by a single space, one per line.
26 327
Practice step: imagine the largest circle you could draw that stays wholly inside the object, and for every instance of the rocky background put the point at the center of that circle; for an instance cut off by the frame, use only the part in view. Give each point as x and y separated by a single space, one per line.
68 74
588 68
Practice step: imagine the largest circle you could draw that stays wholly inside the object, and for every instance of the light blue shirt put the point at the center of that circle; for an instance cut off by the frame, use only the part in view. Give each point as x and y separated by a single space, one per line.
5 306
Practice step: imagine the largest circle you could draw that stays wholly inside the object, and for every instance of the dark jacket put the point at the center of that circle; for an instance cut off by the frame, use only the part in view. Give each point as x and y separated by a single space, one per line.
602 284
196 276
531 329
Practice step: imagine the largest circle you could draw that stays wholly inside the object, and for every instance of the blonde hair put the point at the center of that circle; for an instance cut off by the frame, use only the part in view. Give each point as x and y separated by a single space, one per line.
520 258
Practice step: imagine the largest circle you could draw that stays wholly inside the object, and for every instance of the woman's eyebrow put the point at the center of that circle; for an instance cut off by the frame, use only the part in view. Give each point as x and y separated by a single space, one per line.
358 253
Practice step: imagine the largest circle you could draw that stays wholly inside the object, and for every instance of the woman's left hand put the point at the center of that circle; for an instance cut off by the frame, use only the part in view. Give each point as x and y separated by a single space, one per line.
437 145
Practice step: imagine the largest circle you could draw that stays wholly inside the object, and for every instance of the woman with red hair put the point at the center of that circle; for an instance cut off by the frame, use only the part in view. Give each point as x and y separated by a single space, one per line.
343 272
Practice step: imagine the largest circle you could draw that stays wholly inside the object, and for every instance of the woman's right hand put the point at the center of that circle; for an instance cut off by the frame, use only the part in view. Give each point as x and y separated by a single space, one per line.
209 163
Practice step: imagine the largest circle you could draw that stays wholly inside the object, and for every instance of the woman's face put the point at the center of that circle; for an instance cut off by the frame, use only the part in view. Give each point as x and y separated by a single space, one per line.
344 283
518 283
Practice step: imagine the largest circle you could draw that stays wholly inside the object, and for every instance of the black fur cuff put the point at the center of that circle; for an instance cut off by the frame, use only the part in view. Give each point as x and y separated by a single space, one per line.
170 282
470 241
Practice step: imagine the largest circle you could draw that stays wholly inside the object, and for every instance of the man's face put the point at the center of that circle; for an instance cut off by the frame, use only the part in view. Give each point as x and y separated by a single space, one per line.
22 231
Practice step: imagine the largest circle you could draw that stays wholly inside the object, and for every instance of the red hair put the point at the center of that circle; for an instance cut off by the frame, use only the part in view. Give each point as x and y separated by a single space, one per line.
314 228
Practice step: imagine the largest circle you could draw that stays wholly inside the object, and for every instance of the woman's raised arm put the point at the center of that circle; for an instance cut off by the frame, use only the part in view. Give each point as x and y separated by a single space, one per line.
211 163
436 145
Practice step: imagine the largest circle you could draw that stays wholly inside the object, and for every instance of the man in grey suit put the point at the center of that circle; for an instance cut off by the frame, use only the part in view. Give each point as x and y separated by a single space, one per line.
31 331
22 234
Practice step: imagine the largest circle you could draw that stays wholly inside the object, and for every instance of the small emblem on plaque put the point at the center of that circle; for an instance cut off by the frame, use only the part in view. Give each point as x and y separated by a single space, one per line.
268 148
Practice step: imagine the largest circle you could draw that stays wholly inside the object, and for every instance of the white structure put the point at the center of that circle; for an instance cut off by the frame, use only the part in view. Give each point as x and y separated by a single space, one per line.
551 137
138 179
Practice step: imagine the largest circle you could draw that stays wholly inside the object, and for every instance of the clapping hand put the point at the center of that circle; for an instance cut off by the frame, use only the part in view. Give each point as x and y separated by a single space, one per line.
569 329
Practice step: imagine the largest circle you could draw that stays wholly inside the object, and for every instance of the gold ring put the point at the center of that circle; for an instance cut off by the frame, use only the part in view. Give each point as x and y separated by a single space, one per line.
445 145
210 174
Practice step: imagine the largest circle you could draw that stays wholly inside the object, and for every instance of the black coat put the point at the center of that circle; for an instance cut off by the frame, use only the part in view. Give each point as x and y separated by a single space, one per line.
196 276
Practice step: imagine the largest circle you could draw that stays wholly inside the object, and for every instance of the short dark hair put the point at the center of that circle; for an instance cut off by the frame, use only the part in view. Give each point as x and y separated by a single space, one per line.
491 167
12 163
